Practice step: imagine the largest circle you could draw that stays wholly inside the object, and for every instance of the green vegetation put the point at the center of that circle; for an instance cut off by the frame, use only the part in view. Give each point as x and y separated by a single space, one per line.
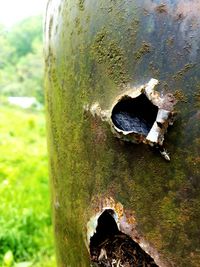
26 237
21 59
25 221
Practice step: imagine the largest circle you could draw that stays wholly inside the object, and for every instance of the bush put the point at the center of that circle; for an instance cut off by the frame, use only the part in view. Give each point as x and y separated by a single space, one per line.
25 220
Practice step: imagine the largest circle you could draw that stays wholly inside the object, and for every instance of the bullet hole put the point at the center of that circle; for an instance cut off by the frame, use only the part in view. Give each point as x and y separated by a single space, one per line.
136 115
111 247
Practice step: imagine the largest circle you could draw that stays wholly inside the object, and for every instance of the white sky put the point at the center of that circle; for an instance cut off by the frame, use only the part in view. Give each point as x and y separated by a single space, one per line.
12 11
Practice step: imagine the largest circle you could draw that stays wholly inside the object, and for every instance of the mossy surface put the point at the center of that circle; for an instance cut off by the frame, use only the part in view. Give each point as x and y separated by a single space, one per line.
90 59
144 49
111 56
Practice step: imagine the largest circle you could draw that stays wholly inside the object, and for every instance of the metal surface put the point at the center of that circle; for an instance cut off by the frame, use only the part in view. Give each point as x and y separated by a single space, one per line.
93 50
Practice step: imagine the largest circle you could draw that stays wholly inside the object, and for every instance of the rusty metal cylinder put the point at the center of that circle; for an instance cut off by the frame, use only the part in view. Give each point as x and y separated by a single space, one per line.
119 73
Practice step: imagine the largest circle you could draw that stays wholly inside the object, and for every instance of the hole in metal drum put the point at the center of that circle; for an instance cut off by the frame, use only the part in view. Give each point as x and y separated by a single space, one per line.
134 114
111 247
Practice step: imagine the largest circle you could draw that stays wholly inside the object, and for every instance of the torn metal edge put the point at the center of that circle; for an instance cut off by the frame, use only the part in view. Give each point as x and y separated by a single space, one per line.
126 224
165 116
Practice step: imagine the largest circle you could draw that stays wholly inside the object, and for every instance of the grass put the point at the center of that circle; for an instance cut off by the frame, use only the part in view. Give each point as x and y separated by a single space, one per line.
25 220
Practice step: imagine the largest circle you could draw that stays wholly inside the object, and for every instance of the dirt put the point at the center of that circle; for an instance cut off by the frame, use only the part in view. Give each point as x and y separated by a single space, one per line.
109 247
120 251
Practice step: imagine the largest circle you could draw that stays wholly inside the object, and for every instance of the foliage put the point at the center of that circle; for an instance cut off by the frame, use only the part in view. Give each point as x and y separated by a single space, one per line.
25 221
23 35
21 59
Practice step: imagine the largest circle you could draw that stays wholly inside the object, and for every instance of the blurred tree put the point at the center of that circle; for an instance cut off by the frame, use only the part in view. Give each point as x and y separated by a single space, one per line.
7 49
24 34
21 60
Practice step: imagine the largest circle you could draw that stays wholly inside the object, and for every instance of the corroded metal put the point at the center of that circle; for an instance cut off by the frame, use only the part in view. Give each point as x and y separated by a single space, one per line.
136 128
93 51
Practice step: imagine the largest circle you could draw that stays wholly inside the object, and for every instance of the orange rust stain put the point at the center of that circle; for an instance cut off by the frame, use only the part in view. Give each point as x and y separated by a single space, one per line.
119 210
131 220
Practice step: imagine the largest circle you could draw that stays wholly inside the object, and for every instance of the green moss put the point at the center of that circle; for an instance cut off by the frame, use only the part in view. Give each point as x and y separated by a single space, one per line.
50 27
197 99
78 25
180 74
154 69
108 53
77 22
170 41
81 4
180 96
143 50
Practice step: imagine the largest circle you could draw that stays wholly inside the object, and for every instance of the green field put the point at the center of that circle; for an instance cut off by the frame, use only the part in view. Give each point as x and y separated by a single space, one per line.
25 219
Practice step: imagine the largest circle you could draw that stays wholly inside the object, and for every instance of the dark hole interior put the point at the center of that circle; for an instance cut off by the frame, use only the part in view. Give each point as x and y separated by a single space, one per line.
116 246
134 114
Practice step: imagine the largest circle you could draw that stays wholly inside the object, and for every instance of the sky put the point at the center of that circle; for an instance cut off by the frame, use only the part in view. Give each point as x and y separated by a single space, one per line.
12 11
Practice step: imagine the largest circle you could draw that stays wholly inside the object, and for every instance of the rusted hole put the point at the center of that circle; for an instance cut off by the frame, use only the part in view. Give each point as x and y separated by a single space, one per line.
111 247
140 115
134 114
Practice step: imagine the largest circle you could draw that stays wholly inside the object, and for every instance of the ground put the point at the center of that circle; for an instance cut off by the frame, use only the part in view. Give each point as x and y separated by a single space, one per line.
25 220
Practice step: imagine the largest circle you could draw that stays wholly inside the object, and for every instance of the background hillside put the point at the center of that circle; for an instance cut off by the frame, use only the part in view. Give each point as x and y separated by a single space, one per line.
21 59
25 217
